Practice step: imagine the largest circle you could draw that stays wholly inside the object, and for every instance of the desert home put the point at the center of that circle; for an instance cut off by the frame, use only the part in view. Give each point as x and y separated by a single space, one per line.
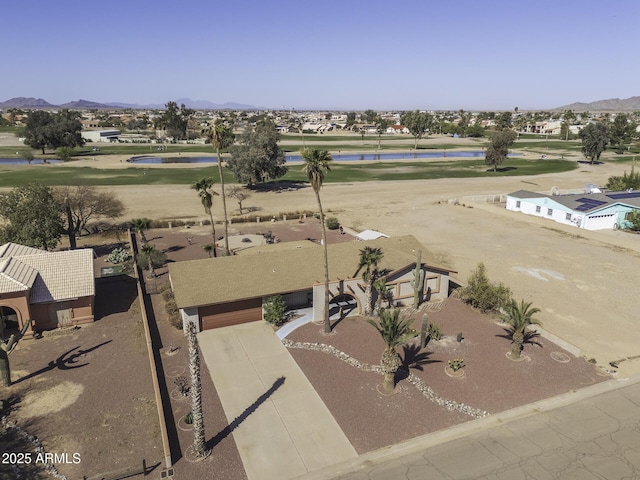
231 290
48 289
591 211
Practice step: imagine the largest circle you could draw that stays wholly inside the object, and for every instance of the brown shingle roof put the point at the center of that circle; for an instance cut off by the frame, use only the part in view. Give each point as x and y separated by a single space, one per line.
225 279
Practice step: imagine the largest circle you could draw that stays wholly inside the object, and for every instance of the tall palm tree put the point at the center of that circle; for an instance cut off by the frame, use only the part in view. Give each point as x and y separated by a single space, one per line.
140 225
199 446
206 194
316 164
369 259
519 316
394 330
221 137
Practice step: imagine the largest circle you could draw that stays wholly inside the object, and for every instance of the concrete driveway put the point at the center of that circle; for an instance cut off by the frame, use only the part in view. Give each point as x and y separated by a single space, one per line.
280 425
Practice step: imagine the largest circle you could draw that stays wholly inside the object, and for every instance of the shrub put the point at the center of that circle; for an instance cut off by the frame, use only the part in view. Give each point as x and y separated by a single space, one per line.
118 255
434 331
274 310
456 364
175 319
188 418
332 223
634 218
483 294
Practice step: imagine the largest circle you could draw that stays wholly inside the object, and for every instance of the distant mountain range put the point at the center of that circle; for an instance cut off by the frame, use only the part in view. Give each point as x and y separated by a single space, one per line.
631 104
30 102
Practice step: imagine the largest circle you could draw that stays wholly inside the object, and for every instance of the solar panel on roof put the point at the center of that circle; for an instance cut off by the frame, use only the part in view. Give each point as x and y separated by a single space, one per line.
588 203
617 196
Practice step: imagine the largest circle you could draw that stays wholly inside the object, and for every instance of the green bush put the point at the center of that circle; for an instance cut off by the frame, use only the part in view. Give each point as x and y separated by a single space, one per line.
434 332
274 310
332 223
118 255
483 294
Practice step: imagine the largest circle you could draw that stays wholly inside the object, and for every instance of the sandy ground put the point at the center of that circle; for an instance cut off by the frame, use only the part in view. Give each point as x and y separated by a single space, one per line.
584 282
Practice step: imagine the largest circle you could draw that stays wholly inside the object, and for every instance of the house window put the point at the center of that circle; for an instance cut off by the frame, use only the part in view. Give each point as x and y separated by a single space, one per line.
537 208
549 211
518 204
568 217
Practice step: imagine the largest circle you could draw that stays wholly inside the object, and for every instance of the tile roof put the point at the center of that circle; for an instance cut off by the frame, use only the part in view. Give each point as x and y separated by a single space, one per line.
15 250
16 276
272 272
51 276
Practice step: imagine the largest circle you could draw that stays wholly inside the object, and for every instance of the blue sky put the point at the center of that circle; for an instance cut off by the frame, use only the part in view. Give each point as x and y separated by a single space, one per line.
348 54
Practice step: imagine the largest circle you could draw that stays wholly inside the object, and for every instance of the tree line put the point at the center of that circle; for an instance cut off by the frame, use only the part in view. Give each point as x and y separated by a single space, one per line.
38 216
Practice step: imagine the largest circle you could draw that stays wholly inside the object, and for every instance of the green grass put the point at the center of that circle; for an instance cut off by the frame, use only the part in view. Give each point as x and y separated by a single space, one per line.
11 176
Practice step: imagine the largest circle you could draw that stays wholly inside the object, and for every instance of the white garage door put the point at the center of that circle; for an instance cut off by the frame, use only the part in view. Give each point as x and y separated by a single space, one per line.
600 222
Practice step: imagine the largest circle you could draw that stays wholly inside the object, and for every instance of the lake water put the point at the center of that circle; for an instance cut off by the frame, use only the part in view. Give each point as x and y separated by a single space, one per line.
340 157
20 161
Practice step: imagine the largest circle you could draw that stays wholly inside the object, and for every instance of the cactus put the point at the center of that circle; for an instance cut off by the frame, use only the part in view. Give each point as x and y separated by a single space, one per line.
423 331
6 347
418 281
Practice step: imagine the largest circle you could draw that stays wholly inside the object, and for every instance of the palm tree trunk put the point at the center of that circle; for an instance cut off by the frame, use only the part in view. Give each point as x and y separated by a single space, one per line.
213 232
224 205
199 446
516 346
367 298
390 363
325 311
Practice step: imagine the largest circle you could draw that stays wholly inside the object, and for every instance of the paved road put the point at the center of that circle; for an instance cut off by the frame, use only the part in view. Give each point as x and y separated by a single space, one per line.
593 434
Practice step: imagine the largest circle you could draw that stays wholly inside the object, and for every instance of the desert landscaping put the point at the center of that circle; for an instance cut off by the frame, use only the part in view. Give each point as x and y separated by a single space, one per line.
581 281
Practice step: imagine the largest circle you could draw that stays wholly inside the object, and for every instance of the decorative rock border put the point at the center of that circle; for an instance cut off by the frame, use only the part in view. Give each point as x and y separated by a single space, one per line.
425 389
50 468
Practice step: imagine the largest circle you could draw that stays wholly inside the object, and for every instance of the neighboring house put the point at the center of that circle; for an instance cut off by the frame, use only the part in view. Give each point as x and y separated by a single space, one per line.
227 291
49 289
591 211
101 135
397 129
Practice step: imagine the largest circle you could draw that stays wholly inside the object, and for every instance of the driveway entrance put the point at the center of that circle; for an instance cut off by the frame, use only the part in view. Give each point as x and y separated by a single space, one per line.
280 425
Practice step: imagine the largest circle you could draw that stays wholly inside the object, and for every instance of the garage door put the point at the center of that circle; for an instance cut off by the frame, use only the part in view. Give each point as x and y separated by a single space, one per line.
232 313
600 222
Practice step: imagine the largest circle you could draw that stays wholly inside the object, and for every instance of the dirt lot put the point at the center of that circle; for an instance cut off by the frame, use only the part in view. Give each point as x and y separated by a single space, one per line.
581 280
88 391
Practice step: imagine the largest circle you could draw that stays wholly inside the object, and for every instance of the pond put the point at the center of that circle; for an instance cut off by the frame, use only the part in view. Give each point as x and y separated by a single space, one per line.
20 161
339 157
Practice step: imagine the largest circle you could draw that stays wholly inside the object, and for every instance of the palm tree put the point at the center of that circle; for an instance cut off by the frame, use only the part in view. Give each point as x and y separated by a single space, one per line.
140 225
383 291
519 317
151 257
203 186
199 447
316 164
394 331
209 248
369 259
221 136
